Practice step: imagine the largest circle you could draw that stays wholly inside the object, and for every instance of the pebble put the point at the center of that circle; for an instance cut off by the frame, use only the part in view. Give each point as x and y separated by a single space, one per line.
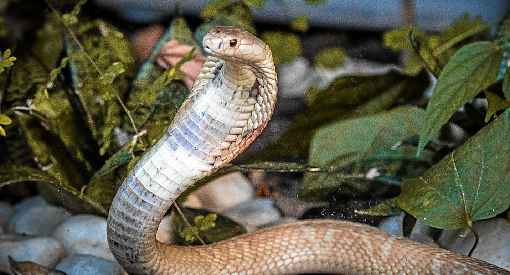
165 230
35 217
224 192
295 78
423 233
45 251
36 201
254 214
84 234
393 225
6 211
78 264
493 245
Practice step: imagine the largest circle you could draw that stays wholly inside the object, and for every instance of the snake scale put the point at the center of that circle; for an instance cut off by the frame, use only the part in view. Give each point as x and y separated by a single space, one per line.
230 104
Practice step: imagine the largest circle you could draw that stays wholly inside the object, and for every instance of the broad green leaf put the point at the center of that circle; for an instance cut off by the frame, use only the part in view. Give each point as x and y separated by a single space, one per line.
473 68
330 57
359 138
285 46
346 97
467 185
300 23
496 104
2 131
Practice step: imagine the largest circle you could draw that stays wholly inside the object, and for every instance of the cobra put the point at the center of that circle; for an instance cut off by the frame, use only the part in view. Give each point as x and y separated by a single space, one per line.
231 102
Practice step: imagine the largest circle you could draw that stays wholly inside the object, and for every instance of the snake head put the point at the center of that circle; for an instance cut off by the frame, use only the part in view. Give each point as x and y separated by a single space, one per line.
232 43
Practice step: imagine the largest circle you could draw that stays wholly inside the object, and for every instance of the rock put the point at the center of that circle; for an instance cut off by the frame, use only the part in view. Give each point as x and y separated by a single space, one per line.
254 214
35 217
393 225
84 234
224 192
45 251
78 264
423 233
493 245
6 211
36 201
165 230
295 78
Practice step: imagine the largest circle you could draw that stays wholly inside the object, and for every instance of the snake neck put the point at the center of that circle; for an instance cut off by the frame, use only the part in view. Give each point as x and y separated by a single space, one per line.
208 131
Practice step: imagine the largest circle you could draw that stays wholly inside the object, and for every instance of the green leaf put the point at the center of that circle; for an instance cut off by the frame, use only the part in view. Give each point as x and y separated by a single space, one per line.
496 104
461 29
469 184
285 46
2 131
300 23
359 138
214 7
255 3
71 18
6 60
473 68
112 72
346 97
211 227
315 2
5 120
330 57
388 207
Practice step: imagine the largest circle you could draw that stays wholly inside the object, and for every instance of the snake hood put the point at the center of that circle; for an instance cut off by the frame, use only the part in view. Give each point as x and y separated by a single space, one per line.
234 44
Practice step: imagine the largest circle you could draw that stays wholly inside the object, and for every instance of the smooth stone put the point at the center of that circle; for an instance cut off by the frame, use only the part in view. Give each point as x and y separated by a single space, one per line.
35 217
423 233
393 225
84 234
79 264
295 78
45 251
254 214
224 192
6 211
493 245
165 230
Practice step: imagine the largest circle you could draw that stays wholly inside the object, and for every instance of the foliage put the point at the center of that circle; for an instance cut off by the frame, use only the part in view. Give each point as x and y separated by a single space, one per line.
6 60
432 51
4 121
209 227
330 57
82 114
285 46
473 68
300 23
469 184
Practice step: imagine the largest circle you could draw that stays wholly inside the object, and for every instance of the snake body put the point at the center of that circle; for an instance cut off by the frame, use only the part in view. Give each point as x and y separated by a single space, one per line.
231 102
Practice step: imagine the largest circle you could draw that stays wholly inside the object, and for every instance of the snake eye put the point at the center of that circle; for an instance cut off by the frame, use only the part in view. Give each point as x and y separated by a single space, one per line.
233 42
